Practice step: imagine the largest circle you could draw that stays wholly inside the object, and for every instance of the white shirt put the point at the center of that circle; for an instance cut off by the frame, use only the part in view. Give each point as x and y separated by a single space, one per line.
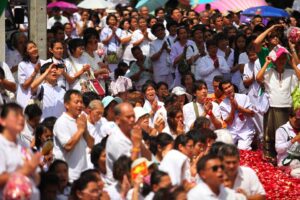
75 65
163 64
279 91
145 45
26 136
117 145
283 142
6 95
242 128
230 58
95 131
206 70
113 44
51 21
64 128
189 114
248 181
53 100
93 61
203 192
25 69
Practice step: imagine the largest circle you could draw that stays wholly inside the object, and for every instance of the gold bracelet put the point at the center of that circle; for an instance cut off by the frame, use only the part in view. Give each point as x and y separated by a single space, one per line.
135 149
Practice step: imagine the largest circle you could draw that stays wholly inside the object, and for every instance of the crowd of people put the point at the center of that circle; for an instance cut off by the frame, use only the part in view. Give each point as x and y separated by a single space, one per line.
130 105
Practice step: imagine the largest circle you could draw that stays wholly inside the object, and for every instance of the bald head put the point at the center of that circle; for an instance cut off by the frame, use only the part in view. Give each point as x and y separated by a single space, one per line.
125 117
94 104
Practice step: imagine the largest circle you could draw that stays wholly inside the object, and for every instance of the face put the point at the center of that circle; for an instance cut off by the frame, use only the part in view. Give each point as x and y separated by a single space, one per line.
126 25
61 171
198 36
228 89
219 22
47 135
60 35
201 94
91 192
112 21
227 22
293 21
213 172
165 182
205 18
188 81
21 43
176 15
68 29
222 44
78 52
188 149
142 24
162 91
226 181
231 33
85 16
75 105
110 111
160 14
217 91
212 50
179 118
181 100
96 113
231 164
281 61
252 56
208 36
181 196
134 24
50 192
126 119
126 14
152 22
32 50
14 122
102 161
295 122
182 34
248 33
57 50
144 121
173 30
257 21
144 11
150 94
92 43
138 54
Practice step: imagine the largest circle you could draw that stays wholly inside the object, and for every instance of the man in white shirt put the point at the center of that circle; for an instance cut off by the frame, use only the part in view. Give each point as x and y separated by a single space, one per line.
7 84
236 110
71 137
125 139
202 107
287 134
160 55
211 65
57 17
244 179
211 171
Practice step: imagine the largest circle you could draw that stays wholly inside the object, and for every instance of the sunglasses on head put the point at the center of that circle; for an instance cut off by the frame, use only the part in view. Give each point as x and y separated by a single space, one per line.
216 167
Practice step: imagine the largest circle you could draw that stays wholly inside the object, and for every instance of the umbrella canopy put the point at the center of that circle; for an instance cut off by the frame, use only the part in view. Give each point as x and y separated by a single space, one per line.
66 6
151 4
227 5
94 4
265 11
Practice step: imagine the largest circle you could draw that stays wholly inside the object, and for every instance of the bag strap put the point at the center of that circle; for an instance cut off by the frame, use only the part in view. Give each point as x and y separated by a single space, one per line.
289 137
196 109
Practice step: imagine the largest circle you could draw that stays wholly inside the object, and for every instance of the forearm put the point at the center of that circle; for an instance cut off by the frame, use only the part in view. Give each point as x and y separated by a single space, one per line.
34 85
89 139
259 40
257 197
216 122
4 178
125 40
260 74
106 41
178 59
245 111
230 117
27 83
248 82
137 43
8 85
74 140
69 78
145 152
297 71
157 55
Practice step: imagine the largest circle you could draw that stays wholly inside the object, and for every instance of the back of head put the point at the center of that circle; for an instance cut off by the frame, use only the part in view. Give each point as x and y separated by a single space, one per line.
229 150
121 167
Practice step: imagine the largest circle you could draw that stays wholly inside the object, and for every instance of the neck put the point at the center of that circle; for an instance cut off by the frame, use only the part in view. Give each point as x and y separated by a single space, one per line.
183 42
9 136
215 189
33 60
90 52
280 70
213 56
72 115
51 82
91 120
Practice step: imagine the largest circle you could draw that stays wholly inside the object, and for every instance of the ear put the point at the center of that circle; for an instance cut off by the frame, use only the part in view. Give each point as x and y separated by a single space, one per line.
180 147
202 174
79 194
66 106
2 122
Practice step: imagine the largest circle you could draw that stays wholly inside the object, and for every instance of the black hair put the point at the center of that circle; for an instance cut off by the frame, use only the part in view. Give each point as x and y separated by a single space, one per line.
89 172
197 28
185 75
157 26
148 84
198 85
222 83
49 123
48 179
150 17
197 136
122 22
237 51
87 97
75 43
57 27
201 164
171 23
162 140
216 148
218 78
156 177
219 37
157 10
210 43
170 99
69 93
161 83
26 57
88 34
53 42
2 73
171 113
182 139
135 48
110 16
80 184
121 167
57 162
97 150
6 109
229 150
181 27
200 122
32 111
38 132
45 66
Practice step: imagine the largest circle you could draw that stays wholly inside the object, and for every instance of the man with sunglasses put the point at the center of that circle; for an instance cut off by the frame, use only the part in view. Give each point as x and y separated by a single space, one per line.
211 171
244 179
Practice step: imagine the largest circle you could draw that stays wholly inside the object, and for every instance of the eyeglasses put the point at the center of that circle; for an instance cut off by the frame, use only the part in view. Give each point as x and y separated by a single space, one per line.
216 167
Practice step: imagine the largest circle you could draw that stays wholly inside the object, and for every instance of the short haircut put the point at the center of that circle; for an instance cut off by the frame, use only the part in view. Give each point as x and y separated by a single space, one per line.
171 23
201 164
87 97
49 123
218 78
220 36
75 43
198 85
32 111
157 26
229 150
97 150
7 108
181 140
69 93
135 48
223 83
201 122
93 104
121 167
57 162
156 177
148 84
210 43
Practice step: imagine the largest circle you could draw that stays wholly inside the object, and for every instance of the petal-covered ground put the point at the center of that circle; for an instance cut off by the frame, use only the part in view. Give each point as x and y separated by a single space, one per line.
278 184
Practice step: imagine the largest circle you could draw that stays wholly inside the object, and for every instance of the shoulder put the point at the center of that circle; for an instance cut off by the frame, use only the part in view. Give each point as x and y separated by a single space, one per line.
188 106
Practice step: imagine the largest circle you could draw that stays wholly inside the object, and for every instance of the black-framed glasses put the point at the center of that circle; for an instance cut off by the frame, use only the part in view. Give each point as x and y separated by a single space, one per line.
216 167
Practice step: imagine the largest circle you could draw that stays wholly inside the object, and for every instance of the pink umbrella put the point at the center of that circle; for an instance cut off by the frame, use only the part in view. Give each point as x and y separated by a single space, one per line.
65 6
233 5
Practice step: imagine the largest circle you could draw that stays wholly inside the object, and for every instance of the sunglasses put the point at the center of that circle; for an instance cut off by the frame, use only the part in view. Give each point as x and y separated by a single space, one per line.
216 167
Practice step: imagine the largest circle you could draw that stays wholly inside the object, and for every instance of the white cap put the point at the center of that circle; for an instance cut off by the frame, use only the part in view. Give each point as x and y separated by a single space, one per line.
181 91
139 112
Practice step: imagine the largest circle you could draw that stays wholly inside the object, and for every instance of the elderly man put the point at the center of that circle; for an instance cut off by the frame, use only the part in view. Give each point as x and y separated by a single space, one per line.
211 171
244 179
94 124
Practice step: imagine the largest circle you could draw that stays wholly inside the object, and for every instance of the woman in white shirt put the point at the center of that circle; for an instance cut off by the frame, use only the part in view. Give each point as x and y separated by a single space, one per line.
28 69
78 65
84 23
126 35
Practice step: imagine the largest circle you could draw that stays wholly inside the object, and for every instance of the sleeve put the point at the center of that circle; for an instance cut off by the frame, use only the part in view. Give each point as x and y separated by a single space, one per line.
247 72
256 187
135 37
224 68
22 76
224 112
257 67
188 115
8 74
153 50
2 163
204 68
104 34
243 58
60 131
281 140
133 70
216 110
191 51
174 53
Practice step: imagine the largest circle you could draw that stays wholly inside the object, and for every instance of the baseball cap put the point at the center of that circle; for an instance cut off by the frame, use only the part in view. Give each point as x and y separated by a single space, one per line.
277 51
108 99
139 112
181 91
